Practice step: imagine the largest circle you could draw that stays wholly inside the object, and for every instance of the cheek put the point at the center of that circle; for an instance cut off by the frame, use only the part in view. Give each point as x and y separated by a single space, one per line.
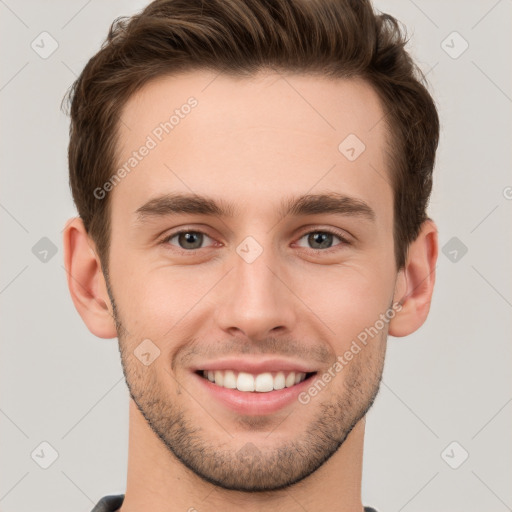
347 300
152 302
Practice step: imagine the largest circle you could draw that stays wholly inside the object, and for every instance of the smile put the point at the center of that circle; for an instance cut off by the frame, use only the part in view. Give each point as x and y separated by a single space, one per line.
260 383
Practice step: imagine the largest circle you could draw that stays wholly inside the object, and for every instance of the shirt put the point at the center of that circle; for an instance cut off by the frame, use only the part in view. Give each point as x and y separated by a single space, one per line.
113 502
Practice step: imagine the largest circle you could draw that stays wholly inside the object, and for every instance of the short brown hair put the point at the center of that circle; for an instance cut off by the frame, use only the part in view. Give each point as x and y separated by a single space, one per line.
331 38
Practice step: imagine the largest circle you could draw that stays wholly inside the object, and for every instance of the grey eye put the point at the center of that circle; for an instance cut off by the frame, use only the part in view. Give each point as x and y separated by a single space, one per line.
320 239
189 240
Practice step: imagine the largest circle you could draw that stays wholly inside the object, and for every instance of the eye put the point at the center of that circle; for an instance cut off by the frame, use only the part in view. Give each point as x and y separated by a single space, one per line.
322 240
188 240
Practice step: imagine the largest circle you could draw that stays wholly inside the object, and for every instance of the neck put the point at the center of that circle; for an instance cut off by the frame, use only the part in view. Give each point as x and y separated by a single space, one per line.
158 481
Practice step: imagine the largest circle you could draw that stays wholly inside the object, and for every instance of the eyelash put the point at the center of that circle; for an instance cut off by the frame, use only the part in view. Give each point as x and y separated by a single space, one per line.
338 234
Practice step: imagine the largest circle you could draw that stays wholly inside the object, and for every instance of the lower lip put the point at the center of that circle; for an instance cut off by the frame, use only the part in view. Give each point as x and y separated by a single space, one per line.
255 403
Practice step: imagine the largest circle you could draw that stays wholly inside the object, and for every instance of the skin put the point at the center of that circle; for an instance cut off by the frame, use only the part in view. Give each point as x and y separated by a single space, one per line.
251 142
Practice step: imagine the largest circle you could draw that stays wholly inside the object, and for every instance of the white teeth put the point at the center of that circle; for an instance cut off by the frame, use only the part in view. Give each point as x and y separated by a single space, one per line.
245 382
279 381
290 380
262 383
219 377
229 379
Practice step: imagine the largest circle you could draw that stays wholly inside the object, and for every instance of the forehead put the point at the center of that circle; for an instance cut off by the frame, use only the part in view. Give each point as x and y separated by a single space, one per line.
253 140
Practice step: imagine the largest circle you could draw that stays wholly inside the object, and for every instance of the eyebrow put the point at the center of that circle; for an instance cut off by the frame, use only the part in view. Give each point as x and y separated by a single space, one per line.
309 204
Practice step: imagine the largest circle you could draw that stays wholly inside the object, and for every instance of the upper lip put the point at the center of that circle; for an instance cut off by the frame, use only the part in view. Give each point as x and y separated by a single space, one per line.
256 366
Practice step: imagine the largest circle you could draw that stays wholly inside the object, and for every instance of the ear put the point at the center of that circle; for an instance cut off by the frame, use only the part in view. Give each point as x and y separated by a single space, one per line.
415 282
86 282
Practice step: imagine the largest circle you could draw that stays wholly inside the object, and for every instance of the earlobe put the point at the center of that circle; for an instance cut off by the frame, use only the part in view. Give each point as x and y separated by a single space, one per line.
415 283
86 282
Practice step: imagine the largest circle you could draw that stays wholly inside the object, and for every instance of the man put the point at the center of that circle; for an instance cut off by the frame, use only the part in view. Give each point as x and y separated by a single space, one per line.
251 179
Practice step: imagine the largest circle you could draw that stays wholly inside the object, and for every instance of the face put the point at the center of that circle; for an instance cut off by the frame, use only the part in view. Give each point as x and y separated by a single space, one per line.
249 285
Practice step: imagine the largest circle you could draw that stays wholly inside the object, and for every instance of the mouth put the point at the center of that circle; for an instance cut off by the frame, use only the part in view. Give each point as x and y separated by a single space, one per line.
246 382
254 387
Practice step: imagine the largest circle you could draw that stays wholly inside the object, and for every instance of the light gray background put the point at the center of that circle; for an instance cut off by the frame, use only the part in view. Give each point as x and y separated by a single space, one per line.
449 381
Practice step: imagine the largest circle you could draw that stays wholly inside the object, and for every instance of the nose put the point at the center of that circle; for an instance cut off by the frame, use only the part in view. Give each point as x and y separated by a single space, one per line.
256 301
